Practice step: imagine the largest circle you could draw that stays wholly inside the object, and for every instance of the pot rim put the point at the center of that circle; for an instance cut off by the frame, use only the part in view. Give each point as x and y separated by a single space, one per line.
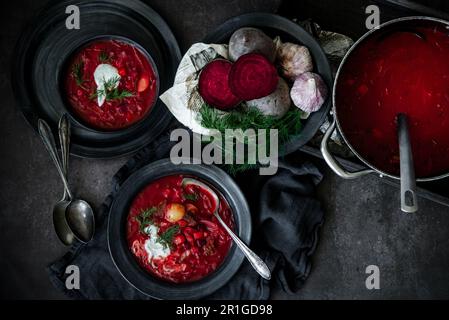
337 75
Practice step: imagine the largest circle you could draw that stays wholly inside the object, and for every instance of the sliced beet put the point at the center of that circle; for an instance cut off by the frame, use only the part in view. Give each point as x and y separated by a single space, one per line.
252 77
213 85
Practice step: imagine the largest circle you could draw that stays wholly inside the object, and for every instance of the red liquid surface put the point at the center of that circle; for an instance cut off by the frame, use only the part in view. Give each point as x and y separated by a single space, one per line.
132 65
205 243
398 73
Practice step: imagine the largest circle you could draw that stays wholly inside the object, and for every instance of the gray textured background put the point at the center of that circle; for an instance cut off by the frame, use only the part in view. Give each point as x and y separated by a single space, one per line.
363 223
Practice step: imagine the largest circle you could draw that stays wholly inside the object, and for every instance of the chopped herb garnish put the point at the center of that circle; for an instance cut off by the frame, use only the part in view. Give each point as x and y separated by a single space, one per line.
111 91
145 218
166 237
191 196
117 95
103 57
78 72
245 118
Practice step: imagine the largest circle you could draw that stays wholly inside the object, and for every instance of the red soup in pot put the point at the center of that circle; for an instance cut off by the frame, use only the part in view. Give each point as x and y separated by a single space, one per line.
172 232
403 71
110 84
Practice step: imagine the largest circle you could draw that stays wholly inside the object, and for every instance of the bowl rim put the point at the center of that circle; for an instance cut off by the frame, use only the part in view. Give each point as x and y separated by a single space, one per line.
125 262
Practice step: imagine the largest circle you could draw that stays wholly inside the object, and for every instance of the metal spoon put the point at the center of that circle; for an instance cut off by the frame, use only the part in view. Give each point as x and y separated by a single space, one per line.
79 214
80 218
257 263
409 202
59 221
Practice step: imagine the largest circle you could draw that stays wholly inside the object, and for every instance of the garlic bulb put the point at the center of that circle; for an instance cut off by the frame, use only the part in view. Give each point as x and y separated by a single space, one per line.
294 60
309 92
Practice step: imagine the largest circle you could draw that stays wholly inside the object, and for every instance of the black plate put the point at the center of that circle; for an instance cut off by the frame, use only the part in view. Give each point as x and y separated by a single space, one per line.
274 25
46 45
125 261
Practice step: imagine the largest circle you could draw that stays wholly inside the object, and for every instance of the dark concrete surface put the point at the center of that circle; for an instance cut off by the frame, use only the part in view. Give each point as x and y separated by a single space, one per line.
363 223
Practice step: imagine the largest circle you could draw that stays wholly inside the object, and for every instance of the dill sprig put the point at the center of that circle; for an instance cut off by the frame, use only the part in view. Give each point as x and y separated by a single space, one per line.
251 118
103 57
166 237
190 196
78 72
145 218
111 91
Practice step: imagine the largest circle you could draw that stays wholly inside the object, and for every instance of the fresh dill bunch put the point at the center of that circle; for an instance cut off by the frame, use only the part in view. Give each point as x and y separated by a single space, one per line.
245 118
251 118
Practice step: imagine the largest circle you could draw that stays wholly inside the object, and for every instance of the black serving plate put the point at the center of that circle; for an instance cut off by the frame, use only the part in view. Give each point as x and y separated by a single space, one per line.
274 25
125 261
46 45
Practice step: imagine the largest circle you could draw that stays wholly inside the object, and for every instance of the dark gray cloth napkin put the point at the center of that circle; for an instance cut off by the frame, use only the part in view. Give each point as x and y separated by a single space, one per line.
286 218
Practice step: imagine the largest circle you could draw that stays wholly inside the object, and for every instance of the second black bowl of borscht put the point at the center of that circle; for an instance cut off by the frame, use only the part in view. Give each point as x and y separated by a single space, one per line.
163 237
107 75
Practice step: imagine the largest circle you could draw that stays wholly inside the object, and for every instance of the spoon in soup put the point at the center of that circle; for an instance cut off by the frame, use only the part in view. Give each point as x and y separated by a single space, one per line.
79 214
409 202
257 263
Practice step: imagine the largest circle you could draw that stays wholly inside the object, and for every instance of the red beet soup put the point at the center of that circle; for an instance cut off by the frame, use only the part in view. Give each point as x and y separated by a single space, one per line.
404 71
172 232
110 84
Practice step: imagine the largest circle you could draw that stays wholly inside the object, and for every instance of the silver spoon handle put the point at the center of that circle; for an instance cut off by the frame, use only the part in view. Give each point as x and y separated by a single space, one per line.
258 264
49 142
64 140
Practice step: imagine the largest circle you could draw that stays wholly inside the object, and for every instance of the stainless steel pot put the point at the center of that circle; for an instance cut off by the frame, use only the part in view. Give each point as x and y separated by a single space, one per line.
328 157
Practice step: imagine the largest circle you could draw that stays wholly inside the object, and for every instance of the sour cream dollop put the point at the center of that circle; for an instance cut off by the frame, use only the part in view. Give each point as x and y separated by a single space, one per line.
104 73
154 249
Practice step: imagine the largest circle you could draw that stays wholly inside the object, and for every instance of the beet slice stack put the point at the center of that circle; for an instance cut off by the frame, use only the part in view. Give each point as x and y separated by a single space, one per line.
213 85
252 77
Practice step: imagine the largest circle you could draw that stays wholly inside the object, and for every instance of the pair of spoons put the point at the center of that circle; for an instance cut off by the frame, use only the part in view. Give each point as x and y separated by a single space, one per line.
72 218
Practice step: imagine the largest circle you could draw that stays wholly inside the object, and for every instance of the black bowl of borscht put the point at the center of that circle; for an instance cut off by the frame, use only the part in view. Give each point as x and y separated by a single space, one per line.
107 75
110 83
163 237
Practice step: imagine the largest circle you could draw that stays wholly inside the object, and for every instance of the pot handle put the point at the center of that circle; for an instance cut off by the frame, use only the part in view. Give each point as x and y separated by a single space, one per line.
332 162
409 203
